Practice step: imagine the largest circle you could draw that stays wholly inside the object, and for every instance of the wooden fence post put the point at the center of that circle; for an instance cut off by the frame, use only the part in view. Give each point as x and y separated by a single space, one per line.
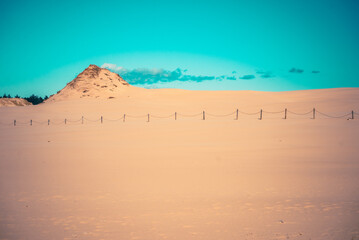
31 122
285 113
14 122
148 117
261 115
175 115
48 121
124 117
204 116
313 113
237 114
352 114
65 121
82 120
101 119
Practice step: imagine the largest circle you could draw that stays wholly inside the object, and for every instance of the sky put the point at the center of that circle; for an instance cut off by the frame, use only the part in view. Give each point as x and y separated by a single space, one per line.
273 45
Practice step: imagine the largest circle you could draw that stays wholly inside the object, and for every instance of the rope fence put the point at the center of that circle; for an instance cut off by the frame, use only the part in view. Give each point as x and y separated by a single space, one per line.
330 116
236 114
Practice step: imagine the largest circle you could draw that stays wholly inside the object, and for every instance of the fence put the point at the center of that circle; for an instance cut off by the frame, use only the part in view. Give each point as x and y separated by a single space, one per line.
202 115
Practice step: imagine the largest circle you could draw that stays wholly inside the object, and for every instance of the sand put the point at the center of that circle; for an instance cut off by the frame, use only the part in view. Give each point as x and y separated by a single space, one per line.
218 178
13 102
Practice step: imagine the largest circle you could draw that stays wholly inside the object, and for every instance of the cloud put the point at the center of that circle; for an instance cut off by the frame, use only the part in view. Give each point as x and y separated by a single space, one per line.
248 77
265 74
112 67
296 70
151 76
231 78
220 78
159 75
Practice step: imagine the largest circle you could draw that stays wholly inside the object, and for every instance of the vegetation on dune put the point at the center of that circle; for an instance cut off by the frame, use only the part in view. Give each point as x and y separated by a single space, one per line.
34 99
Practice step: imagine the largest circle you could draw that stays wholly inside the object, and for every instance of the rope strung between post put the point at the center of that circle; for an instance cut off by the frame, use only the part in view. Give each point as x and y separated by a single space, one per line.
168 116
221 115
43 122
90 120
72 121
190 115
246 113
273 112
311 111
57 123
330 116
113 120
138 116
25 122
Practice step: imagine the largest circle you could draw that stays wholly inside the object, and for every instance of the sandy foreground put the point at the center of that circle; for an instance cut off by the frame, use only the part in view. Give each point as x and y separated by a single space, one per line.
182 179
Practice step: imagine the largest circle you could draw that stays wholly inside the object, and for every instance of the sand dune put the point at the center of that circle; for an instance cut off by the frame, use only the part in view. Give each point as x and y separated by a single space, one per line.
180 179
93 82
12 102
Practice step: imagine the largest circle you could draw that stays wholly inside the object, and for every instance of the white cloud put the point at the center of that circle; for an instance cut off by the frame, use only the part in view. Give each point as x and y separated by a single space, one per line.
112 67
155 75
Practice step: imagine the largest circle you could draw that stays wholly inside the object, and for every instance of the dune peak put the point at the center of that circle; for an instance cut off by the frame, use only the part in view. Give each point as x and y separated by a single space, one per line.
93 82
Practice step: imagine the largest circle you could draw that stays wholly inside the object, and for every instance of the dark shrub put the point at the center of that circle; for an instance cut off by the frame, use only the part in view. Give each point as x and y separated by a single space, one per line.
34 99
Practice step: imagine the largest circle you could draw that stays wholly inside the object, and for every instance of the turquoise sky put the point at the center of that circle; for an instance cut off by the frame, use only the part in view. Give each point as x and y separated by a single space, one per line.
45 44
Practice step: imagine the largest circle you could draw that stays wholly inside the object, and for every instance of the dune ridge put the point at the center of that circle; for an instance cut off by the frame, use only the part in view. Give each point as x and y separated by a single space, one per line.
13 102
